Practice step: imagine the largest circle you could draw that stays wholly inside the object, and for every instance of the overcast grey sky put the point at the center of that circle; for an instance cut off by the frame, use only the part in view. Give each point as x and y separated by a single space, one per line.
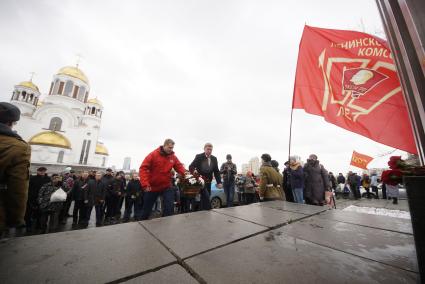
195 71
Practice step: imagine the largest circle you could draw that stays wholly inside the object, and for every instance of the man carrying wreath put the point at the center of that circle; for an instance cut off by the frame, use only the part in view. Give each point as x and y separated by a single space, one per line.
155 178
206 165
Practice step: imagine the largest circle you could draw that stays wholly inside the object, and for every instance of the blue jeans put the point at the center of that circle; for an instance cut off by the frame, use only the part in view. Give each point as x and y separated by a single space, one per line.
150 197
229 191
298 195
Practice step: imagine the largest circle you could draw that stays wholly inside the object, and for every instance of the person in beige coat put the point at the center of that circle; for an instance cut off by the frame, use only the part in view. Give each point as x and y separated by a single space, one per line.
270 181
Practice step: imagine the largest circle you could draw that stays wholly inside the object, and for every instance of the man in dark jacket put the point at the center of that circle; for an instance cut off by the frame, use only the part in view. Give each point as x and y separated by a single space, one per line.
155 178
229 171
78 194
206 165
15 156
354 183
340 179
113 211
122 187
133 198
287 186
108 181
32 211
96 197
332 180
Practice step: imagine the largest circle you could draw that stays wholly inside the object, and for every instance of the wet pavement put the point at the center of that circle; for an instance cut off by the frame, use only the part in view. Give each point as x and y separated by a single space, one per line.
270 242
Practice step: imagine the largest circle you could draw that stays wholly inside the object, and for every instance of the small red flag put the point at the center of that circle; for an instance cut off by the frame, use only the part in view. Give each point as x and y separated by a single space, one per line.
360 160
350 79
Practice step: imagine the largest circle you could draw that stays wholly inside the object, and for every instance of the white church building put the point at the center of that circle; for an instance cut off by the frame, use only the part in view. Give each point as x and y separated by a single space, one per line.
63 128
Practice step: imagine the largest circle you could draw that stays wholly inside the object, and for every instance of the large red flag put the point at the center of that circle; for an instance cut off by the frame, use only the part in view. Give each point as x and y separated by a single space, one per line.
360 160
350 79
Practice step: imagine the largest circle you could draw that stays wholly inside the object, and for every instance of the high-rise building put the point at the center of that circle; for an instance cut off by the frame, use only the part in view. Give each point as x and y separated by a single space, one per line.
254 165
127 163
245 168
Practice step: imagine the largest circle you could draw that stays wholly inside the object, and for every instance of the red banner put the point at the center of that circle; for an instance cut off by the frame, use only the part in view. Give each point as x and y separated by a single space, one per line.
350 79
360 160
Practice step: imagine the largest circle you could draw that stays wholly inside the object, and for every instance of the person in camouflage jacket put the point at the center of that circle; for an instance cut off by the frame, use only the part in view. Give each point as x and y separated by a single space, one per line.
49 210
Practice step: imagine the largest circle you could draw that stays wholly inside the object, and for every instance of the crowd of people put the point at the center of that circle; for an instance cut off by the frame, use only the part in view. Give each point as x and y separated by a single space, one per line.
352 182
90 191
27 202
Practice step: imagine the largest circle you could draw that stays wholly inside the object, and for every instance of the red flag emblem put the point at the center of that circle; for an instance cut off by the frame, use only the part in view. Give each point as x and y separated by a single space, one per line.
350 79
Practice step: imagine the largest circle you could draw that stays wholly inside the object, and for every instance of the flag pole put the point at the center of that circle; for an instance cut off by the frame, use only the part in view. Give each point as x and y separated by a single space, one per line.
290 129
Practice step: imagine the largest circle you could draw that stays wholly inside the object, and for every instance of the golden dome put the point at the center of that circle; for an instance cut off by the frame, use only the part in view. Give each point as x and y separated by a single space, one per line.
94 101
50 138
30 85
73 72
101 149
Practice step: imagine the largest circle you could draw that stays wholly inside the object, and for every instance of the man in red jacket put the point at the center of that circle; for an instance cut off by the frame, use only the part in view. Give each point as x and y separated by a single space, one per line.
155 177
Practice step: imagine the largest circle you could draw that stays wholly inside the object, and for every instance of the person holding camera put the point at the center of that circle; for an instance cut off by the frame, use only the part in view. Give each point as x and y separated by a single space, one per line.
228 170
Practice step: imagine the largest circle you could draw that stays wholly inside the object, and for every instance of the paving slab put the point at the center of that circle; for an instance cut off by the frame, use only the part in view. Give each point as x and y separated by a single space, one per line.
388 247
293 207
369 220
274 257
343 203
402 205
84 256
192 233
170 274
261 215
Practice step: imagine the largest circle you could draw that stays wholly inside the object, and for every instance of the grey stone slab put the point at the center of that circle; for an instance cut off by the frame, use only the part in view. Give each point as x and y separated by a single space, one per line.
293 207
170 274
261 215
274 257
378 203
392 248
192 233
343 203
84 256
369 220
402 205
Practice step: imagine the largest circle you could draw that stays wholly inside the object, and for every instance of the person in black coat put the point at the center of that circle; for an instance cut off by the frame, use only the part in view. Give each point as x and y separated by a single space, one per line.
287 186
32 212
96 197
78 195
108 181
229 171
340 179
206 165
133 198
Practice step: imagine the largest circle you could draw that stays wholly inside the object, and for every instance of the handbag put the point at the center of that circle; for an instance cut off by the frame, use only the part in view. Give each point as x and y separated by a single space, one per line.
329 198
58 196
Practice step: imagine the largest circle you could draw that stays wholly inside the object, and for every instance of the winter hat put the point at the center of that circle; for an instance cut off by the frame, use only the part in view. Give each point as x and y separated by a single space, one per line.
266 157
228 156
9 113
